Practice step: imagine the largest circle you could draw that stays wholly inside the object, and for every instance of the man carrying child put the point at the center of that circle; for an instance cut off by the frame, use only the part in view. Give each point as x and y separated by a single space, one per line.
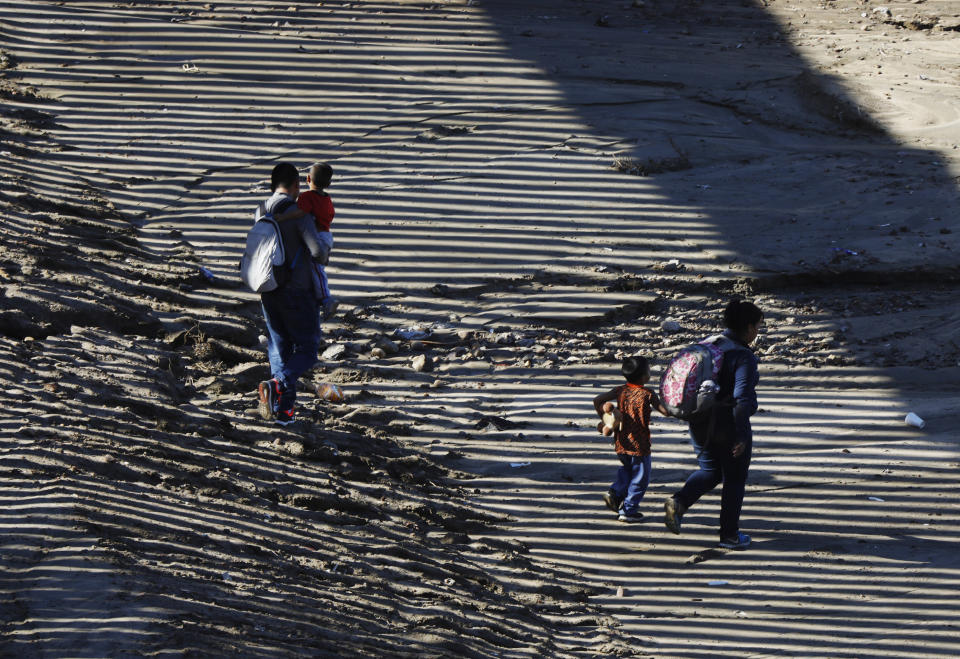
290 311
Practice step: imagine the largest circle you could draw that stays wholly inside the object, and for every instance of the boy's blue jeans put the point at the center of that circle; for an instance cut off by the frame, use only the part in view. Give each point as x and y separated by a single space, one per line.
293 336
717 465
632 480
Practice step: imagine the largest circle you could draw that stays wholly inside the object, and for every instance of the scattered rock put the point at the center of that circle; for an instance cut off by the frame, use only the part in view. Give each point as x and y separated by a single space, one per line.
334 352
421 363
388 346
670 325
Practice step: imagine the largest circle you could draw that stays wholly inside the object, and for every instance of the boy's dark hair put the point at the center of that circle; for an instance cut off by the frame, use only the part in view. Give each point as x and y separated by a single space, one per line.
321 174
634 368
740 313
283 174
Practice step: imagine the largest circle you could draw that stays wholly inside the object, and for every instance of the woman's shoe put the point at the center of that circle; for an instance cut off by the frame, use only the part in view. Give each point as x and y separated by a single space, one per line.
674 512
742 541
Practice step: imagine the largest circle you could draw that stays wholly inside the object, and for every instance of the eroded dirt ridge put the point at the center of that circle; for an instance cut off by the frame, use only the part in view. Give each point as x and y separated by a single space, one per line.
178 521
142 493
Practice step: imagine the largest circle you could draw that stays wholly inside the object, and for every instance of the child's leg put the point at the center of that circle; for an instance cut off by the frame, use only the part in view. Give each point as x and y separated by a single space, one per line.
639 480
620 485
320 286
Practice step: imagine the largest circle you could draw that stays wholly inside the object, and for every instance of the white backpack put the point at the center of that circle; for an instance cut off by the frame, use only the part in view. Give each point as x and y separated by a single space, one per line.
264 254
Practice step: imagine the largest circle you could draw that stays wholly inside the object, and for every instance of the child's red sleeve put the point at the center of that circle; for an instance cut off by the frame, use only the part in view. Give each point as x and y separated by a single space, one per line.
303 203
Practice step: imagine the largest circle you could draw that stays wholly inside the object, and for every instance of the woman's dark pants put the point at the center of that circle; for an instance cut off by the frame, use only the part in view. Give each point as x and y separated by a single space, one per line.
717 465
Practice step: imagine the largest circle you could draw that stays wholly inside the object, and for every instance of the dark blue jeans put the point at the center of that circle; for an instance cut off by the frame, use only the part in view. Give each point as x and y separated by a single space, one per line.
293 336
717 465
632 480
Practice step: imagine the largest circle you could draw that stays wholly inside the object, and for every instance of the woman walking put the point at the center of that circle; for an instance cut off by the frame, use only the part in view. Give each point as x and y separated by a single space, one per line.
724 440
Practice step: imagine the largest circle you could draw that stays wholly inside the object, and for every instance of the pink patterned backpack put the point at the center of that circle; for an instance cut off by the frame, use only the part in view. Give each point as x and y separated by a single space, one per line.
688 387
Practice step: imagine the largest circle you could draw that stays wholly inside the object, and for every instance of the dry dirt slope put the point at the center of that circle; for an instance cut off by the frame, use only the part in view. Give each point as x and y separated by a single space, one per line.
459 130
140 518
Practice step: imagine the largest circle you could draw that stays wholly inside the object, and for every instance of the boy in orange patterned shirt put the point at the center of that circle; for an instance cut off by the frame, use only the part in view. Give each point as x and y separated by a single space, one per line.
632 440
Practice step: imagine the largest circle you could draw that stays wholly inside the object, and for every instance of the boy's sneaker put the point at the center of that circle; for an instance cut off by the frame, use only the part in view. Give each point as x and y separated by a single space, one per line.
612 500
674 512
269 393
284 417
329 307
632 518
741 542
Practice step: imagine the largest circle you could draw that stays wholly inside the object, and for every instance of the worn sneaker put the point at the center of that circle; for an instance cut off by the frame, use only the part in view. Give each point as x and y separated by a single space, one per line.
632 518
329 307
284 417
674 512
269 393
612 500
741 542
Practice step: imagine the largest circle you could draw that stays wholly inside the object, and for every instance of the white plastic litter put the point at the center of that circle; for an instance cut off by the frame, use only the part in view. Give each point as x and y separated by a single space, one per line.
913 420
412 333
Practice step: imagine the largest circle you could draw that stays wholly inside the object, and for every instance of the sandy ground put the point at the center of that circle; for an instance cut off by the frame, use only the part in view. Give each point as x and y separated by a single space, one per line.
526 192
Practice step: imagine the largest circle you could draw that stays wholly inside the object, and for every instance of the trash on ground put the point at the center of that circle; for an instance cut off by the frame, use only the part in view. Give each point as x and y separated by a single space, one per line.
412 333
913 420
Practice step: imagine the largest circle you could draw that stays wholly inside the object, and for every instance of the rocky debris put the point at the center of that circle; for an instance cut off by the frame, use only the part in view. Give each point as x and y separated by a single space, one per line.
670 325
334 352
387 345
421 363
126 399
500 423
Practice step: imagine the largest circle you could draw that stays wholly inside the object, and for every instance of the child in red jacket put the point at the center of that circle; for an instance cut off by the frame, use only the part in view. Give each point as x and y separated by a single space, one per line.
318 203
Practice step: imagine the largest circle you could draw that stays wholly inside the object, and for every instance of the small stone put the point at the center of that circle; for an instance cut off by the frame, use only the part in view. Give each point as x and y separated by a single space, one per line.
334 352
670 325
358 347
378 353
464 334
388 346
673 265
421 363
